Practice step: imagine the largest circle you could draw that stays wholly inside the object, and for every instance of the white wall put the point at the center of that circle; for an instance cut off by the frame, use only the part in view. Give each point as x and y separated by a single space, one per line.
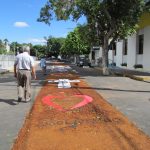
139 59
98 54
132 46
7 61
119 53
7 47
111 56
146 53
132 58
124 60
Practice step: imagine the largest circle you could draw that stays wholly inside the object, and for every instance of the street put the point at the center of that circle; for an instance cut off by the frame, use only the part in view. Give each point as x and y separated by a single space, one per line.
129 96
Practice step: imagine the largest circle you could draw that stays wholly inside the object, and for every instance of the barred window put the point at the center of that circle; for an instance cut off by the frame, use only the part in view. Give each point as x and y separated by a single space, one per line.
125 50
140 44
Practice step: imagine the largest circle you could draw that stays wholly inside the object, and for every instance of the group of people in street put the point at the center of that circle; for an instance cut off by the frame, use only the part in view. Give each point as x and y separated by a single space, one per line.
24 70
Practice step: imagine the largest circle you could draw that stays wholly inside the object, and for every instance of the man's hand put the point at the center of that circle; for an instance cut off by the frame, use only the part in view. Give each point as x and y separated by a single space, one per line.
34 76
33 73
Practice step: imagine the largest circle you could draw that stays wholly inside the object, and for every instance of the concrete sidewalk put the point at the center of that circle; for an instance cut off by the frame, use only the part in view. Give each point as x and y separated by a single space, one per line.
12 114
3 71
131 97
140 75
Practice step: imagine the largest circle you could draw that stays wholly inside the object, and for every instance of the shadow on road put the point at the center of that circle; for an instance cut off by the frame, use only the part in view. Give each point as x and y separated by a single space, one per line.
9 101
110 89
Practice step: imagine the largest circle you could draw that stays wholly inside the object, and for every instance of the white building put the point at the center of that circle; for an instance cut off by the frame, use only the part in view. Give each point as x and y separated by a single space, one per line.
132 52
7 47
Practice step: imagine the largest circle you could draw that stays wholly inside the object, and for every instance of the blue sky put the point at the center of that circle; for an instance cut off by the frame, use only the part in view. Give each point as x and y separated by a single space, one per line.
18 22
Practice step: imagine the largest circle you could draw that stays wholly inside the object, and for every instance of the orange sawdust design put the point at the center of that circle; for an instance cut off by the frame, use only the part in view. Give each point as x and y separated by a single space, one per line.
96 126
67 102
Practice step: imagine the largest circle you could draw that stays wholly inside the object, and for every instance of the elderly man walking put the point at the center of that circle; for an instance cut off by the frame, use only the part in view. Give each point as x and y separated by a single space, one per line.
24 67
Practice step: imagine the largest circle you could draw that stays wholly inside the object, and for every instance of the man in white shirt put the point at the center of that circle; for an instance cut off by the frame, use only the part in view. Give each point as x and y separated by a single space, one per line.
23 68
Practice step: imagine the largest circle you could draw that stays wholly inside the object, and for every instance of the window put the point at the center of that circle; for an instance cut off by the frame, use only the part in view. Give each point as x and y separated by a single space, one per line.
140 44
114 47
125 47
93 55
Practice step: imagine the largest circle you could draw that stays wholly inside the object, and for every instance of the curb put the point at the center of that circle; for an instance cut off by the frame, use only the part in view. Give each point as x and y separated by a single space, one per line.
134 77
4 71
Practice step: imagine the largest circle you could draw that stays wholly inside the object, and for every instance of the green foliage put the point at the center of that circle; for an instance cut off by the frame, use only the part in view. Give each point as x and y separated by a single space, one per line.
147 8
14 47
106 19
111 19
138 66
10 53
76 42
3 51
124 64
38 50
54 45
2 48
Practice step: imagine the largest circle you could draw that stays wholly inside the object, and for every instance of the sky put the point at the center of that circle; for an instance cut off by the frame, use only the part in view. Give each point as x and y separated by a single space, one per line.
18 22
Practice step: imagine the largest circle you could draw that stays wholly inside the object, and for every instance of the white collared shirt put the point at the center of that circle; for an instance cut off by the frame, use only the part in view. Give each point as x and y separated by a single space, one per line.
24 61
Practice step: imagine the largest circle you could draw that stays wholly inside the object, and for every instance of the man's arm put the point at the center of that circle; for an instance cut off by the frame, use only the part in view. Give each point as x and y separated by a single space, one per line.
33 72
15 66
15 72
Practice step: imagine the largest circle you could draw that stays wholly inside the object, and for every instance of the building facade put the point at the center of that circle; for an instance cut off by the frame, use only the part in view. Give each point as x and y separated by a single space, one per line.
131 53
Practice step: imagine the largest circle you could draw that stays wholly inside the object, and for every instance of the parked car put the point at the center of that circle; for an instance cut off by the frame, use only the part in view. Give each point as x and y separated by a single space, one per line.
83 61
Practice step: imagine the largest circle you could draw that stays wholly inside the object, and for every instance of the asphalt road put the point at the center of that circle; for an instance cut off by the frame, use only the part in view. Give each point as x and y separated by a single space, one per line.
129 96
12 113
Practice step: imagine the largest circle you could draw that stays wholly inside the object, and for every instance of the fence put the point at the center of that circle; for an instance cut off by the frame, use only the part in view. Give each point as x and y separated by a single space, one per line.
7 61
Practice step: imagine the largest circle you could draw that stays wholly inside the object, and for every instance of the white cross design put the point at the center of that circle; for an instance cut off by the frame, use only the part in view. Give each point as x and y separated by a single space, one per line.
64 83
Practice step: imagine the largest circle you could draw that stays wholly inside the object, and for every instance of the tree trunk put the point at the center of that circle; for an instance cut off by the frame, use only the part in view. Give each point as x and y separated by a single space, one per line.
105 57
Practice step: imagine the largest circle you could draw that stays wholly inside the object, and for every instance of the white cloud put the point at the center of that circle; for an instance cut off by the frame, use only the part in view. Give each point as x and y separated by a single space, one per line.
21 24
36 40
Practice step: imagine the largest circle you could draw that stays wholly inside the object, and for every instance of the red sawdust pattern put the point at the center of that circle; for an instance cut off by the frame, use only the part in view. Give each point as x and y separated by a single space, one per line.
57 63
68 102
65 102
96 126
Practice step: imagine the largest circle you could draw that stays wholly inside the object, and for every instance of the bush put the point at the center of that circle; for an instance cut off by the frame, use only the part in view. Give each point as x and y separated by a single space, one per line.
138 66
3 51
124 64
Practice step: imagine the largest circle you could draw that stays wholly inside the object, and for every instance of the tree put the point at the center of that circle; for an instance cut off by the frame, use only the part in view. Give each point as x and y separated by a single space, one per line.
2 47
14 47
1 44
147 6
110 19
6 41
39 50
54 45
76 42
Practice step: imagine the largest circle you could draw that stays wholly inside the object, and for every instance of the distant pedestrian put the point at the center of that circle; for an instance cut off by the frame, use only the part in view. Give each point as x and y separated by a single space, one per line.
43 65
23 68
